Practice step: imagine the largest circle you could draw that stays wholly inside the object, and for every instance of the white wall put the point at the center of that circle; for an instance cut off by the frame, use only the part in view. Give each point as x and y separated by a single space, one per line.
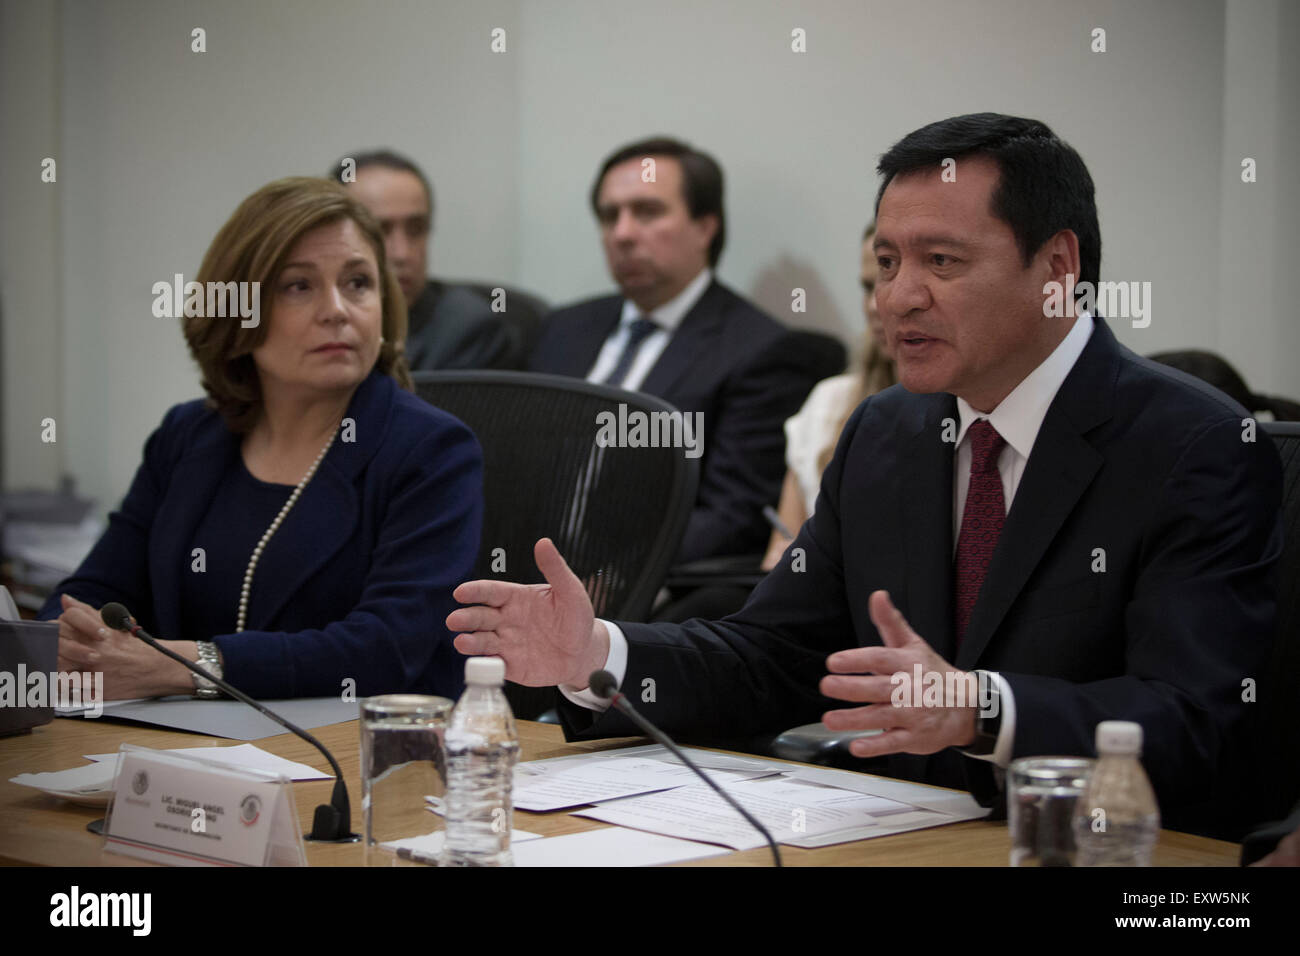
30 308
156 145
799 135
1259 325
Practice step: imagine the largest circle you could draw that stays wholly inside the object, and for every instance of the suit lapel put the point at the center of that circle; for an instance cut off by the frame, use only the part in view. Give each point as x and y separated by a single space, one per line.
325 517
694 337
578 352
1061 466
191 487
927 506
322 521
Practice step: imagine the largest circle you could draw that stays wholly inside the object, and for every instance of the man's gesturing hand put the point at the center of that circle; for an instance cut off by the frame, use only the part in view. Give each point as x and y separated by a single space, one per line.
918 730
546 633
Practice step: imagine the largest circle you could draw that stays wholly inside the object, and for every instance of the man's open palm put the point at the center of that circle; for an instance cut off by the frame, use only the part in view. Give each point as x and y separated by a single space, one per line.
544 632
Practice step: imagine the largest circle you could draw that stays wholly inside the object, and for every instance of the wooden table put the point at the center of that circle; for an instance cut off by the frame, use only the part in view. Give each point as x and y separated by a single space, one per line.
42 830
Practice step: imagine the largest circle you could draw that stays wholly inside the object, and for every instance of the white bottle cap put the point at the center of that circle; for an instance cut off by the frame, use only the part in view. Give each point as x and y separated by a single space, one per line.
1119 737
485 670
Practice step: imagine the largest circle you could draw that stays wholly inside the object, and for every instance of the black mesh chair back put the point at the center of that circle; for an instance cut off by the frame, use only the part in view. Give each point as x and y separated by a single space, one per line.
1277 733
617 514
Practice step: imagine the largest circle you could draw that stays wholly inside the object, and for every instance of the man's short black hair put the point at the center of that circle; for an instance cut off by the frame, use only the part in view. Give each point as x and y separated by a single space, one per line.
1043 184
701 181
387 159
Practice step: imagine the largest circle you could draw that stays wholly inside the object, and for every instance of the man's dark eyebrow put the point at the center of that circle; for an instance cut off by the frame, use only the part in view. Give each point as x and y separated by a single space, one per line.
388 221
950 241
636 202
938 240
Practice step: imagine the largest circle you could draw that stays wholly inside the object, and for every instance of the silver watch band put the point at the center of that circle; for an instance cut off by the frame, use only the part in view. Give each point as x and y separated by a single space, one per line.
209 660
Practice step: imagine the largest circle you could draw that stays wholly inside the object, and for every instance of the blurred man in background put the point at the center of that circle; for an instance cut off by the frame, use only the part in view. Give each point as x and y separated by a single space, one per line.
676 332
451 326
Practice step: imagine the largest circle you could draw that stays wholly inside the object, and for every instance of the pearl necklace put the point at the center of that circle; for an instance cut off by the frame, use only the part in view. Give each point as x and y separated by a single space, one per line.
275 526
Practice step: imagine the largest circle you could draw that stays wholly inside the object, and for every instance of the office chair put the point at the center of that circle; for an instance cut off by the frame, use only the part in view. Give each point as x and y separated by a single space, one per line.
617 514
523 312
820 356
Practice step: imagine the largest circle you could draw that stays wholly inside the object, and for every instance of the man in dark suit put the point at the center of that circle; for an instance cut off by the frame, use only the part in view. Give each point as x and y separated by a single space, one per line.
1091 534
449 326
674 331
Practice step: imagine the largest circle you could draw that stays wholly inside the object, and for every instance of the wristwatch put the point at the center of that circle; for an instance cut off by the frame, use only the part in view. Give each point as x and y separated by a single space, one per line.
209 660
988 722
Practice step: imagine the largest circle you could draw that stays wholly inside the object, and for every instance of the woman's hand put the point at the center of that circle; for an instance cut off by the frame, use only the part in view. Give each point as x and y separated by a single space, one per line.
131 667
790 510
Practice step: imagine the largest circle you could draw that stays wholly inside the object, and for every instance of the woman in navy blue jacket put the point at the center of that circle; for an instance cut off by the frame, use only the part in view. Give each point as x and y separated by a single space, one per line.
301 530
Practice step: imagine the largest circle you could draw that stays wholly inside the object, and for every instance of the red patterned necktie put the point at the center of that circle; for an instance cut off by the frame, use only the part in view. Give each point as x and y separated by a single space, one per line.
981 520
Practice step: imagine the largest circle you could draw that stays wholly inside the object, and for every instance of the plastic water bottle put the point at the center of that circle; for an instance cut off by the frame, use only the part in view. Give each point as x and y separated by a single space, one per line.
481 751
1117 820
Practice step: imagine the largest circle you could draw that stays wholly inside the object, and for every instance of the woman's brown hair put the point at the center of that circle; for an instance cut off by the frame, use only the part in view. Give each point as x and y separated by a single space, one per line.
253 246
875 373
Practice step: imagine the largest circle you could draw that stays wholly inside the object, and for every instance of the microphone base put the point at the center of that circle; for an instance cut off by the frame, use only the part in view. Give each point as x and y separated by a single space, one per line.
350 838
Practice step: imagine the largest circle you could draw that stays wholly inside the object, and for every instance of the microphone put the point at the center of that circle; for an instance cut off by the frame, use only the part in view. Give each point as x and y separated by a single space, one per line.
332 822
602 684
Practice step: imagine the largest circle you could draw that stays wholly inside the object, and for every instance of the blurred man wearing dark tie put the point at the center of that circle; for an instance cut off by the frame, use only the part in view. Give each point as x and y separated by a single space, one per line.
674 331
449 326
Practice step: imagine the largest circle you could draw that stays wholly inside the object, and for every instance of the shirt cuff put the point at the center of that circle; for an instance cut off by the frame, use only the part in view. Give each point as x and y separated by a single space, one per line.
1001 755
615 663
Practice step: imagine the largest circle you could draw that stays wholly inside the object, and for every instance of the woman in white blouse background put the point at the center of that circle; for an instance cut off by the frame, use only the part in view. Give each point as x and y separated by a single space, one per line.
811 435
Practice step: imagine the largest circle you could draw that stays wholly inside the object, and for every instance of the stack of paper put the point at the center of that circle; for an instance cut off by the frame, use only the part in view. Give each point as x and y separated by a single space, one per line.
646 788
594 782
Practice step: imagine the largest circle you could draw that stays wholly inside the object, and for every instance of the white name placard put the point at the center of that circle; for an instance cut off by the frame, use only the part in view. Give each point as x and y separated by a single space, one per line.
188 811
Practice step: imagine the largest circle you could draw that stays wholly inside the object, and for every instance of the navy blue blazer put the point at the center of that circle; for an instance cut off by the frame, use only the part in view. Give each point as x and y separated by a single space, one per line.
1134 579
357 581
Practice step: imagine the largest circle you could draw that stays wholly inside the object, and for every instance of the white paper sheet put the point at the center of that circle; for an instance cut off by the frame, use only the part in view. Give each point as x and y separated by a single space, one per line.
76 710
926 806
611 846
934 806
244 756
88 779
790 809
707 759
232 719
607 779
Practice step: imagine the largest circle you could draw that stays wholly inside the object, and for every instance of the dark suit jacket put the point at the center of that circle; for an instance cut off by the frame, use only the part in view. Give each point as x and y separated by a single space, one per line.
1264 840
733 363
453 327
355 584
1134 460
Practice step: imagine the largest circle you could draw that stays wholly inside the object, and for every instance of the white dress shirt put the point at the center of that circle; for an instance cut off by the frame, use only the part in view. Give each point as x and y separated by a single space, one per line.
1017 418
668 317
